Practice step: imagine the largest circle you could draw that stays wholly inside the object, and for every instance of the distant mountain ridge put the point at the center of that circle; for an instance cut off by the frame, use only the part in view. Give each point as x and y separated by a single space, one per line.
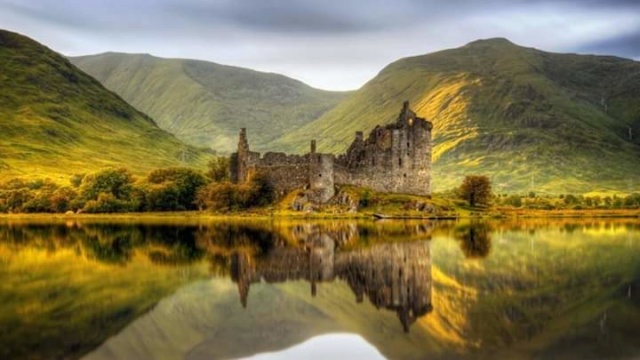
56 120
205 103
531 120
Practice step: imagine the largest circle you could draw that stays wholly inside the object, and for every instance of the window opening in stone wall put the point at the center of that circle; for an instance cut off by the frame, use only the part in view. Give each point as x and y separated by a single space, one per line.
399 161
319 175
408 144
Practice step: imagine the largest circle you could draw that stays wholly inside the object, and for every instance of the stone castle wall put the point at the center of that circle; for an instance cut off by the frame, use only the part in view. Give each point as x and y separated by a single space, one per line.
394 158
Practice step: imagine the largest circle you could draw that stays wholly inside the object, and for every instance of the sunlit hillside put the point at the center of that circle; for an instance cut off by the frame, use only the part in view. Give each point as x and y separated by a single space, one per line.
56 121
206 104
532 120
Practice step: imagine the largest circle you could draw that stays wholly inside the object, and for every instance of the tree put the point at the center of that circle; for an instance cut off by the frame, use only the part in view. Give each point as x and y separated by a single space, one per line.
225 196
117 182
514 200
219 169
571 200
173 188
476 189
61 199
262 191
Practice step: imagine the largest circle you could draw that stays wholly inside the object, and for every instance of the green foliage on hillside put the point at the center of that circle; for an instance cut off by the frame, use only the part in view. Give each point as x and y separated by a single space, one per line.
531 120
56 121
206 104
173 189
226 196
117 190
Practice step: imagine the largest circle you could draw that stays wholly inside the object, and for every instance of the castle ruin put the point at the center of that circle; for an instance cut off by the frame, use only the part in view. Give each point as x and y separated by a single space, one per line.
394 158
393 276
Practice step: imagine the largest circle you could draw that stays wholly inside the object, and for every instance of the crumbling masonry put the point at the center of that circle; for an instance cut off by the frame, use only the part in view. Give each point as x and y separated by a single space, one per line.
394 158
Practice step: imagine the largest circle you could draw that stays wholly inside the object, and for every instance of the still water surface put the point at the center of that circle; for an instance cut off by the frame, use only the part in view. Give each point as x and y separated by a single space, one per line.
327 289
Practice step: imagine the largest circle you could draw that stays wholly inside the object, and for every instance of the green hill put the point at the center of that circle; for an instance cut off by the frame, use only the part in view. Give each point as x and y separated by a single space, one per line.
206 104
531 120
55 120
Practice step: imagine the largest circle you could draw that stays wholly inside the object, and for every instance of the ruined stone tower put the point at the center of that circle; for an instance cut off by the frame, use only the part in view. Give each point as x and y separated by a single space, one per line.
240 159
394 158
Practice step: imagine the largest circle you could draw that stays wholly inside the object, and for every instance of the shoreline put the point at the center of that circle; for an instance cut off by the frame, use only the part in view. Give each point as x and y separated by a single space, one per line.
201 215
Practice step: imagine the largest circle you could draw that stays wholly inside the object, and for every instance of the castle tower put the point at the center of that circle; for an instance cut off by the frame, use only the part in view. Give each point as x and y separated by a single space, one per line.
411 153
321 175
241 273
240 159
419 151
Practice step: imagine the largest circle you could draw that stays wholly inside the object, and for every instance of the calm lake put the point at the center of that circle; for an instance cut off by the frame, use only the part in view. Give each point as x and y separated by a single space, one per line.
566 289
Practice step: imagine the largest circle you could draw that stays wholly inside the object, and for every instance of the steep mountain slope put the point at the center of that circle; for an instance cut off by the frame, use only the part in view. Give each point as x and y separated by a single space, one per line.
206 104
55 120
532 120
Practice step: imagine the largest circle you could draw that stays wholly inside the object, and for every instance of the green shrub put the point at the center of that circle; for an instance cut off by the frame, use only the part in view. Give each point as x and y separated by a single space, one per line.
62 199
16 199
76 180
39 203
632 201
617 202
219 169
571 200
162 197
226 196
513 200
107 203
117 182
365 199
261 192
173 189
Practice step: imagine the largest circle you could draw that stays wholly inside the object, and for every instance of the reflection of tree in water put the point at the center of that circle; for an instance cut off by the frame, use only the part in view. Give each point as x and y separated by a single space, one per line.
116 250
475 240
111 243
174 245
230 236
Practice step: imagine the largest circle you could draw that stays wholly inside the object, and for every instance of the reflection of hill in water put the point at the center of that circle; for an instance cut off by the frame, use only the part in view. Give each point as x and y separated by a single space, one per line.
394 276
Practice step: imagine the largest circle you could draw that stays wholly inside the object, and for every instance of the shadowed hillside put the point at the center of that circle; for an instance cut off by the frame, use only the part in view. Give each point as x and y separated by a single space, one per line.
206 104
55 120
531 120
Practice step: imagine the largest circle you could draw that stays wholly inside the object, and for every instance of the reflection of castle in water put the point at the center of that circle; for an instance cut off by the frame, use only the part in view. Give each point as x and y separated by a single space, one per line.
394 276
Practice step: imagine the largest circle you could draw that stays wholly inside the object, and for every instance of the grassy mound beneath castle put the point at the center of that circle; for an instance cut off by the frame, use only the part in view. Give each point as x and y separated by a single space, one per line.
353 201
357 202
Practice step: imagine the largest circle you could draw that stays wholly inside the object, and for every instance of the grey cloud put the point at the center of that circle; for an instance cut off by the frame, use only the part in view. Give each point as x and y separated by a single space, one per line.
295 17
332 44
626 45
302 16
607 3
94 15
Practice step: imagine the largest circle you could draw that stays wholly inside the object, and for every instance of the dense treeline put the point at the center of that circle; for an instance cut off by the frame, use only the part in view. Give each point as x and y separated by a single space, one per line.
569 201
476 189
117 190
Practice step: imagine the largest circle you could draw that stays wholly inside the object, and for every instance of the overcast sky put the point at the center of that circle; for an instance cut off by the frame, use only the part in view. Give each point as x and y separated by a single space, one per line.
336 44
